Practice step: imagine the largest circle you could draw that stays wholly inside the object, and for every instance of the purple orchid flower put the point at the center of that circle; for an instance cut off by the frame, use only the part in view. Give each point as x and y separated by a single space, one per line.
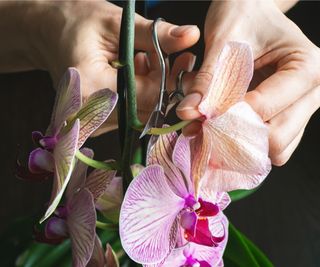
77 218
71 124
193 254
161 210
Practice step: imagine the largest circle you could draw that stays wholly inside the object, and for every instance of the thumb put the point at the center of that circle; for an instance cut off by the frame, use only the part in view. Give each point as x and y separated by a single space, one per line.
172 38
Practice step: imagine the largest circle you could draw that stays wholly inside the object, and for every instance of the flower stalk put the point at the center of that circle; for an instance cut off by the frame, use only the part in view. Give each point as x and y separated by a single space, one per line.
127 112
109 166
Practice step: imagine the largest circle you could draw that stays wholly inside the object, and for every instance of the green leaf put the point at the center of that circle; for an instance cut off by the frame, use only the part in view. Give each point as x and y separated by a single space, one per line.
241 252
241 193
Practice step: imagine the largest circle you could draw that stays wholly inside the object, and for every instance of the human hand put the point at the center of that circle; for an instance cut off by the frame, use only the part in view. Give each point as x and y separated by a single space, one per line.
286 83
85 35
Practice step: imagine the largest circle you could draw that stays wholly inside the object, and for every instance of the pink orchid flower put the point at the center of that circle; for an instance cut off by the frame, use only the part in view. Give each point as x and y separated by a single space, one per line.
160 207
77 218
193 254
71 124
232 148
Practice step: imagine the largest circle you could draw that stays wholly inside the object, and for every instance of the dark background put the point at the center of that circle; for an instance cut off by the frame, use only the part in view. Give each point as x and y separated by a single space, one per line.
282 217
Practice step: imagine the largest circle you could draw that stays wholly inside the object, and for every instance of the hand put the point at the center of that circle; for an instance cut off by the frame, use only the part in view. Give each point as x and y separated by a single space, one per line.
85 35
286 82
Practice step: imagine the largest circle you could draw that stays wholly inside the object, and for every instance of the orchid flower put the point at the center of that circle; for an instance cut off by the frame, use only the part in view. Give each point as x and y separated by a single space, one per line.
232 148
77 218
193 254
160 203
71 124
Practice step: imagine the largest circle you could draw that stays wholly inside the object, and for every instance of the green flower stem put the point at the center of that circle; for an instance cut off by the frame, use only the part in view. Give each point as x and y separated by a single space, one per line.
128 117
106 226
170 129
97 164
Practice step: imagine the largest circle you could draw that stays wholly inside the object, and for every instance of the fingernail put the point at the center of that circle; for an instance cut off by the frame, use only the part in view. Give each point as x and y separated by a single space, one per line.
179 31
188 108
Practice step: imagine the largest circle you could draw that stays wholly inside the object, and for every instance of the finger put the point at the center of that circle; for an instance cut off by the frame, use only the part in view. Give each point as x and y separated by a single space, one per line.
287 85
172 38
141 64
285 126
281 159
184 62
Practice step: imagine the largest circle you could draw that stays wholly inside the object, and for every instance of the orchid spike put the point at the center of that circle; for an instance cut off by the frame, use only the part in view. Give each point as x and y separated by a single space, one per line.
232 148
160 203
72 122
77 218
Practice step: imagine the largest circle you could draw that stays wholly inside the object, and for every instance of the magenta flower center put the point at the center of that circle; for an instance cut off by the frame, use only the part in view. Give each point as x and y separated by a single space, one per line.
194 221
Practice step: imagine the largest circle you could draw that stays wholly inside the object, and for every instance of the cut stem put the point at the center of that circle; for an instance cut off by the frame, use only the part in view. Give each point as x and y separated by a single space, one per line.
106 226
97 164
173 128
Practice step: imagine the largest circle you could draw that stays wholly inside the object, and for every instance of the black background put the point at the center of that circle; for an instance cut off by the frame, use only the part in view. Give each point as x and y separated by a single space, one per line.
282 217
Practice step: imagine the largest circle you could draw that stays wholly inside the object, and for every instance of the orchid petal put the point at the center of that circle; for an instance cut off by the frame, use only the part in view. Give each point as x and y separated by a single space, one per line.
111 257
147 224
231 77
94 112
81 225
98 257
79 174
109 203
188 221
98 181
239 141
40 161
56 228
67 102
207 209
181 158
200 155
161 154
64 155
202 234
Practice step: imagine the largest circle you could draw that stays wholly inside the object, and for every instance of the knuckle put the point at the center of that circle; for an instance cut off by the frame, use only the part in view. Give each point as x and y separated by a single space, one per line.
276 144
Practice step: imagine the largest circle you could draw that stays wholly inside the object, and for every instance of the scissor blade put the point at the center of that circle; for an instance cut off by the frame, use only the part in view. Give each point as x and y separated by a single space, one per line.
156 119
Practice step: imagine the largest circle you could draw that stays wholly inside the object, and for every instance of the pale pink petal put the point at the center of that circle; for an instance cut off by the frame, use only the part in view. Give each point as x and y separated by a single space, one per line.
79 174
176 259
239 158
40 160
111 257
98 181
109 203
82 227
94 112
161 154
98 255
148 217
200 154
64 156
67 102
181 158
231 77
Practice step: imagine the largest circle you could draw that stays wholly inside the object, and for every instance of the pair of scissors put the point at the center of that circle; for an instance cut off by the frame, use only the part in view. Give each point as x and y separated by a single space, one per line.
166 101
